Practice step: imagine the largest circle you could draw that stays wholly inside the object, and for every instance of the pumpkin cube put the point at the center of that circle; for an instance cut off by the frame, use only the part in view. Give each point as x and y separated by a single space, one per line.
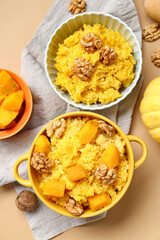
42 144
54 188
21 111
110 156
53 198
75 173
12 124
13 101
6 117
7 84
2 99
99 201
88 131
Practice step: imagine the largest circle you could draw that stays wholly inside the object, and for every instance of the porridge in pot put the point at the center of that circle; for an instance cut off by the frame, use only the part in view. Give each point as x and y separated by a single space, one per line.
81 163
94 64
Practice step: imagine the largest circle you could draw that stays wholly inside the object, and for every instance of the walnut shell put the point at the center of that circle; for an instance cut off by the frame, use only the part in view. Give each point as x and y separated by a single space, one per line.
26 201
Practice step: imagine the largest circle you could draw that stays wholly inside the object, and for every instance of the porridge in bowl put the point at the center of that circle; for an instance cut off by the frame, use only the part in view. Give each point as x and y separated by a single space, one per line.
81 163
94 64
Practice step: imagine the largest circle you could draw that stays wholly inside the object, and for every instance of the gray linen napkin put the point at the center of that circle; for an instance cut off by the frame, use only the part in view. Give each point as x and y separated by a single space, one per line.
44 222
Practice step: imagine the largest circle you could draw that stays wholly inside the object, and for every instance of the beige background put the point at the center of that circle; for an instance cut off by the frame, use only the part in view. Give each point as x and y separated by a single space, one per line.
137 215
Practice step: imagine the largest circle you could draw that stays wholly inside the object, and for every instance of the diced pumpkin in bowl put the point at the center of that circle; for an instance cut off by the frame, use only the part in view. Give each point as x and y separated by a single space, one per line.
98 202
75 173
88 132
13 101
7 84
53 198
42 144
21 111
54 188
6 117
2 98
110 156
12 124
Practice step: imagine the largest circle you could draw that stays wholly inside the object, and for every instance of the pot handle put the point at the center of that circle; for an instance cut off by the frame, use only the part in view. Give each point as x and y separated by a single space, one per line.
139 162
22 181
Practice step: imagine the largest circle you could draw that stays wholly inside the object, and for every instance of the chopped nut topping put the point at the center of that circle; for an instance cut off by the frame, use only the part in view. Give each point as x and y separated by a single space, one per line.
83 69
151 32
41 162
74 207
155 58
77 6
91 42
56 127
107 55
101 171
102 174
109 178
110 130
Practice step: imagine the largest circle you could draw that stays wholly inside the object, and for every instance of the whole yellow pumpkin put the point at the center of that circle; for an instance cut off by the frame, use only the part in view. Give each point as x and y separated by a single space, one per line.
150 108
152 8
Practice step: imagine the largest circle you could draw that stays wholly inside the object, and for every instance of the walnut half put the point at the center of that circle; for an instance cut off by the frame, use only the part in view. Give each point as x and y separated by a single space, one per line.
155 58
56 127
151 32
26 201
101 171
91 42
107 177
41 163
110 130
107 55
73 207
83 69
77 6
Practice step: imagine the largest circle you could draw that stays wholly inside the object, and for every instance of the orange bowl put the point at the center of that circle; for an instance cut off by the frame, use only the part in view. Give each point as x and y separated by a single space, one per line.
27 111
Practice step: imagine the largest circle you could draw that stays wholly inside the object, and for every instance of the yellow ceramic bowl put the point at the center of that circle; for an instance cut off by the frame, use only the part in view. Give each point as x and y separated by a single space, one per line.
33 179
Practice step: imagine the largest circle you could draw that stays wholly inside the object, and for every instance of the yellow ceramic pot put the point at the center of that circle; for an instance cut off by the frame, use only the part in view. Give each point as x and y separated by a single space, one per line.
33 179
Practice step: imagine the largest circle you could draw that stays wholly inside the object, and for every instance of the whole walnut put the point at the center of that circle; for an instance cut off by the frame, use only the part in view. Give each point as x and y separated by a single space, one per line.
26 201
